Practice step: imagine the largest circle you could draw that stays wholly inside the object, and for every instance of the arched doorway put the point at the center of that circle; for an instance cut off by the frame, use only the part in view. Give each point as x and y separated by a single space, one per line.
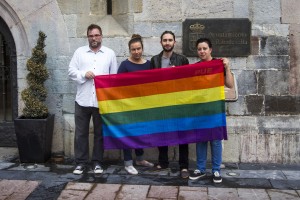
8 86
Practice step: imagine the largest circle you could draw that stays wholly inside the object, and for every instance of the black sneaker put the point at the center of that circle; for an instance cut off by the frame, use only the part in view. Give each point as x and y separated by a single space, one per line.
217 177
79 169
196 174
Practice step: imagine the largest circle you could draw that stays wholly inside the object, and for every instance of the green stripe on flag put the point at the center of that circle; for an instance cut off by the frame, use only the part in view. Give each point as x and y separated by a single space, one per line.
177 111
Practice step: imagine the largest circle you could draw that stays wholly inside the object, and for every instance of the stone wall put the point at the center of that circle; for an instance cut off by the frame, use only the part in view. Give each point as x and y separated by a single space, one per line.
263 124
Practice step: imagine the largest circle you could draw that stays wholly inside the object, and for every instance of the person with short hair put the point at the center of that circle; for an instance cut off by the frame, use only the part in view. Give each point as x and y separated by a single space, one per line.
87 62
204 50
168 58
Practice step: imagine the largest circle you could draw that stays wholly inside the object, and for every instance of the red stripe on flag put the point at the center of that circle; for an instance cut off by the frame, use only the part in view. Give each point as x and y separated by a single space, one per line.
148 76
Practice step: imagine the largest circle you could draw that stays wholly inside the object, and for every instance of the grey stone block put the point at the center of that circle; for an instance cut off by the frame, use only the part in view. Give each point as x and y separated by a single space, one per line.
192 193
236 108
59 75
125 20
74 7
283 105
71 23
63 87
265 174
68 103
273 82
118 44
291 148
58 62
271 125
268 62
290 11
242 125
152 46
98 7
84 20
238 63
4 165
156 11
241 9
282 194
222 193
231 149
255 104
261 148
143 28
273 45
292 175
262 9
248 193
75 43
213 9
159 28
137 6
246 82
265 30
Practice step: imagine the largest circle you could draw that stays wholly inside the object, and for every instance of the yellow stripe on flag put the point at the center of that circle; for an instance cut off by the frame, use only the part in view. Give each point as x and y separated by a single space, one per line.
161 100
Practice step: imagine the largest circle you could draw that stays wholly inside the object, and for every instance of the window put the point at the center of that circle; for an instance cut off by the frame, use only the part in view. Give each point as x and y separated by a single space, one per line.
109 7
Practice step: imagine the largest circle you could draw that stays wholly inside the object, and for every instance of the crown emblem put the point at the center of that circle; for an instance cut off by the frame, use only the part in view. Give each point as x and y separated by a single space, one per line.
197 27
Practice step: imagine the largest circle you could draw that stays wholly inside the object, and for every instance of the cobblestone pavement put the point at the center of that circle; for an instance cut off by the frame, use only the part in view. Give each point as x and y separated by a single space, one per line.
56 181
132 192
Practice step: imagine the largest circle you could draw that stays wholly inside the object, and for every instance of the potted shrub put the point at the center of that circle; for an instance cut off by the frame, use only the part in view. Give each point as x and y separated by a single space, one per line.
34 128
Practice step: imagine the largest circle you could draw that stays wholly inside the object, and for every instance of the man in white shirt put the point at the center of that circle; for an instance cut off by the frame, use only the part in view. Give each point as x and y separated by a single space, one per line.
88 62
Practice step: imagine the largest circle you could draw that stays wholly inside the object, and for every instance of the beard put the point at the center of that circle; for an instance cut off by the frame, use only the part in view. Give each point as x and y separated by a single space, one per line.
95 44
168 49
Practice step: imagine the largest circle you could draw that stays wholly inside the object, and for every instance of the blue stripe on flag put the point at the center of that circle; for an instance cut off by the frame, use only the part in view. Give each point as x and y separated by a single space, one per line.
169 125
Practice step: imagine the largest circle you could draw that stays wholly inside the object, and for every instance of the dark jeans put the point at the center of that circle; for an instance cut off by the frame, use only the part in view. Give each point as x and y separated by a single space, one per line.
81 143
163 159
128 155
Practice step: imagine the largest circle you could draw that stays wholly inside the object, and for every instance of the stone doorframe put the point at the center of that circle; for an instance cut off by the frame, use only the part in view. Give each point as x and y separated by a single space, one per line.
11 28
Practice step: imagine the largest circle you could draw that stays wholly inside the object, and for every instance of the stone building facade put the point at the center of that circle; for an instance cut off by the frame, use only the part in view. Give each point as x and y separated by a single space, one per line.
263 124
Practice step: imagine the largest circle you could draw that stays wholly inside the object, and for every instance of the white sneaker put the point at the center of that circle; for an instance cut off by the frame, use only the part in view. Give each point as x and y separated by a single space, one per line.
79 169
131 170
98 169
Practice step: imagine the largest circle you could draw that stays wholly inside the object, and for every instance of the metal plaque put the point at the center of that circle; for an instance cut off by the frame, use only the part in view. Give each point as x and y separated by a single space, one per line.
230 37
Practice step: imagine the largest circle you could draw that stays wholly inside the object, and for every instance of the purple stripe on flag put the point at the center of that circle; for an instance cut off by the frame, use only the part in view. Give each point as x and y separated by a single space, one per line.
166 139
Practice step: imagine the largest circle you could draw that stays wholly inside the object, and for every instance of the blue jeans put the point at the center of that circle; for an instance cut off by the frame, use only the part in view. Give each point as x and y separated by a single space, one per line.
216 155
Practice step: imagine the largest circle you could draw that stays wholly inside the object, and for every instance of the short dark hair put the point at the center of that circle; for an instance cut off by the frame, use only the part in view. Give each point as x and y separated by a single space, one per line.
206 40
135 38
167 32
93 26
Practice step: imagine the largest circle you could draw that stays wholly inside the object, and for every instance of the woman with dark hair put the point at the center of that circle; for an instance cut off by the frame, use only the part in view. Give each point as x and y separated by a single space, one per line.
135 62
204 49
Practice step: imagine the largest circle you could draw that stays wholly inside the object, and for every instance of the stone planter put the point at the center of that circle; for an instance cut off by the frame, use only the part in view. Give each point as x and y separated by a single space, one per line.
34 138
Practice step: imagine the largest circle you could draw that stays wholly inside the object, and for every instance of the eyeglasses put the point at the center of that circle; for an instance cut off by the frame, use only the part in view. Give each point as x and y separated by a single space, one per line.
92 36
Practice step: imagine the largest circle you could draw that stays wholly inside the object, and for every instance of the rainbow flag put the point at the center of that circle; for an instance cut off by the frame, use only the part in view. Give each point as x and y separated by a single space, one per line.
163 107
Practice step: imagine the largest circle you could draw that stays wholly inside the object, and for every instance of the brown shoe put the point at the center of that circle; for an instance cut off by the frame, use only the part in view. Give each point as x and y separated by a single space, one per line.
144 163
184 173
157 168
